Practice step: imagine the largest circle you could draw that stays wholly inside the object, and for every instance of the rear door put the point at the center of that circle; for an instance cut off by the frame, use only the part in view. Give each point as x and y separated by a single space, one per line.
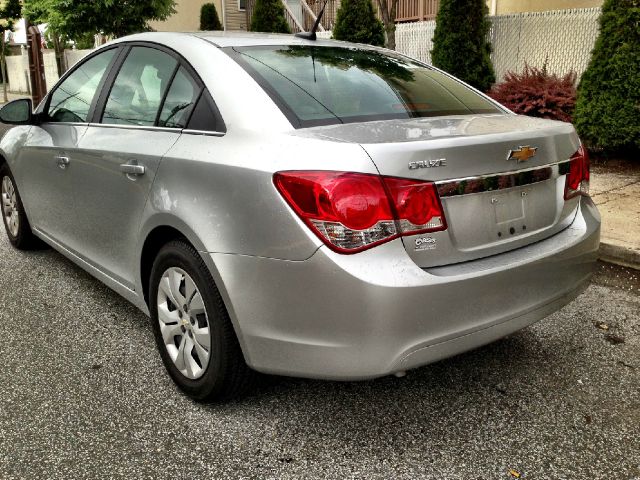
48 154
139 117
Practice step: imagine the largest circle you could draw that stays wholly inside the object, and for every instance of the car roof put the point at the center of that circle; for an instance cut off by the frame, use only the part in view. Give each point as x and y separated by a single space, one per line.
239 39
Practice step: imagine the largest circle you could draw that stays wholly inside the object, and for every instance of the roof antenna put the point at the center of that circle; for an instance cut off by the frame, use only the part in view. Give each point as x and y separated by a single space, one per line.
312 34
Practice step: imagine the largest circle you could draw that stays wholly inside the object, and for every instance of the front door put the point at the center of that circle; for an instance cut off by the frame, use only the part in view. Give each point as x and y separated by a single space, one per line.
48 154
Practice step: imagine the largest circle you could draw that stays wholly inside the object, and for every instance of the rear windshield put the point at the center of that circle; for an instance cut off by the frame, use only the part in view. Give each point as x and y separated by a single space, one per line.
319 85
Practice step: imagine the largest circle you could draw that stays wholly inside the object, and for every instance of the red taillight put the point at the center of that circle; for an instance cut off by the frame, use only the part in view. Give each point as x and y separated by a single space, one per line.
417 204
577 182
351 212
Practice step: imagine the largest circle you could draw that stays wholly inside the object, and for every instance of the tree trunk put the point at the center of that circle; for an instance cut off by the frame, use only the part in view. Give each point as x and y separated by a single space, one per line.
388 14
58 48
390 29
3 65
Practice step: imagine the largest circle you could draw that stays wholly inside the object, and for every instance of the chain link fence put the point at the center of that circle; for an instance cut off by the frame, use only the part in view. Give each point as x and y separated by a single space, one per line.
561 38
416 39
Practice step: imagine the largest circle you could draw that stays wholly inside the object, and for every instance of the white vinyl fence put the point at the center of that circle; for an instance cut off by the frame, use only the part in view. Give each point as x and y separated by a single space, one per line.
18 68
562 38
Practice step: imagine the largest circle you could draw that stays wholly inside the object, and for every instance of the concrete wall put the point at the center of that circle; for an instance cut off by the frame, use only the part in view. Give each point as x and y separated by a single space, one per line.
18 73
500 7
187 16
18 68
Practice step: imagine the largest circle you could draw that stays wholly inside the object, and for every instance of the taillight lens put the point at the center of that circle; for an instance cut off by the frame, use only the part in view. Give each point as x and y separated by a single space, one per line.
577 182
417 205
351 212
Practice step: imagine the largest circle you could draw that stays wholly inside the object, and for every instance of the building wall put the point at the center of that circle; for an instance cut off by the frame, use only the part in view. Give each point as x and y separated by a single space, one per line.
235 18
500 7
187 16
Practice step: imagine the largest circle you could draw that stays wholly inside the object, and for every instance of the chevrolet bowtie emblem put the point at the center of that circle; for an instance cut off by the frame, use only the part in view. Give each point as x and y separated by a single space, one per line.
522 154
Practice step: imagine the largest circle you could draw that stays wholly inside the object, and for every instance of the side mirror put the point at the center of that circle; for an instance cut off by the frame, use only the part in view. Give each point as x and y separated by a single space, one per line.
18 112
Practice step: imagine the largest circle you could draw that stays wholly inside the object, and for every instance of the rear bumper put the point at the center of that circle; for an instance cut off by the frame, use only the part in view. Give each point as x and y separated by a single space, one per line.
371 314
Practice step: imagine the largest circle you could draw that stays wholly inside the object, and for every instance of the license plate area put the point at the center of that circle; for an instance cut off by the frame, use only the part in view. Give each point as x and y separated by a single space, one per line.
484 219
510 207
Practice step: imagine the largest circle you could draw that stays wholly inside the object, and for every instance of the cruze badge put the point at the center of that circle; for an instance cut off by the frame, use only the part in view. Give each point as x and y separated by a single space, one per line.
438 162
425 243
522 154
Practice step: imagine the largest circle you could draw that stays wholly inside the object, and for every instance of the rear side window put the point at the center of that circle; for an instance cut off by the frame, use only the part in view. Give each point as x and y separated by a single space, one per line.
205 116
72 99
139 88
316 85
180 101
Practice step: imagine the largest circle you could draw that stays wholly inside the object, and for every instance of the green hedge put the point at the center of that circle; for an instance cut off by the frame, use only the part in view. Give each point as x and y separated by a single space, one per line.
209 17
608 106
268 16
460 45
357 22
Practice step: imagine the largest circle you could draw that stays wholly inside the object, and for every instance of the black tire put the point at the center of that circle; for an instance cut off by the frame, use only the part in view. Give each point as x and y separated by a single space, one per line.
23 239
227 375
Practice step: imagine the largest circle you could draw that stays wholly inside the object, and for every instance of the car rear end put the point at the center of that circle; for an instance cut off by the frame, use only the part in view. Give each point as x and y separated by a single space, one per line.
473 224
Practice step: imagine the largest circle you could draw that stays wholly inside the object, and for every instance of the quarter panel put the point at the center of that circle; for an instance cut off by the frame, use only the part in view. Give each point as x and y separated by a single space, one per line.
222 188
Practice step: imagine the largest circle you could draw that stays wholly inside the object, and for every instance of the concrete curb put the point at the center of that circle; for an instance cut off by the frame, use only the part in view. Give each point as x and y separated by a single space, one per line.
624 256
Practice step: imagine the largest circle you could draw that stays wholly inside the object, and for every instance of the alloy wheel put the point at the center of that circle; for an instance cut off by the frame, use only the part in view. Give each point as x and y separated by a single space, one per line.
184 323
10 206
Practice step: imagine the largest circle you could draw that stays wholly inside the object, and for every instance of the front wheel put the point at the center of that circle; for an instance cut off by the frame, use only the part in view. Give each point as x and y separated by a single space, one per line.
13 214
193 331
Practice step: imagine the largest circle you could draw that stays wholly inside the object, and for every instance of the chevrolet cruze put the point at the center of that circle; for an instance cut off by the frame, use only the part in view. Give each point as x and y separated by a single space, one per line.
308 208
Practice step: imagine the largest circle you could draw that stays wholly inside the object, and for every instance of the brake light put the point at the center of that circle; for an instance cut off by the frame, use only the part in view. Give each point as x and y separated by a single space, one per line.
417 204
577 182
351 212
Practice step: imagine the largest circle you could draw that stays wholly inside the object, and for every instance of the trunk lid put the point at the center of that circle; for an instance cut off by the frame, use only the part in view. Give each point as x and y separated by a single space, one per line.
491 204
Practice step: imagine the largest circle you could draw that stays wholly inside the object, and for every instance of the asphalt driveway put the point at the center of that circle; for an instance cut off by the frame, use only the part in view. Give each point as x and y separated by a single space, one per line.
83 395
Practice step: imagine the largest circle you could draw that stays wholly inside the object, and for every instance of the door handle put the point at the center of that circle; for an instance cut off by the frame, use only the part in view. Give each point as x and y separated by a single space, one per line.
63 162
132 169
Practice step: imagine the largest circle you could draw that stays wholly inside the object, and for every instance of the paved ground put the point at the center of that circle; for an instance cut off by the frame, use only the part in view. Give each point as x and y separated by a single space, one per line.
84 395
615 188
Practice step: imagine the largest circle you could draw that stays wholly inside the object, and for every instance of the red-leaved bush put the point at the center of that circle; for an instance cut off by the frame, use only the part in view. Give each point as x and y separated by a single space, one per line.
536 93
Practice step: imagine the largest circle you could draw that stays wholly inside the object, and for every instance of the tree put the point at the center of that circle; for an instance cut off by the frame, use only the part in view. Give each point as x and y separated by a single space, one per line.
115 18
45 11
608 106
460 43
356 22
81 19
209 17
268 16
10 11
388 9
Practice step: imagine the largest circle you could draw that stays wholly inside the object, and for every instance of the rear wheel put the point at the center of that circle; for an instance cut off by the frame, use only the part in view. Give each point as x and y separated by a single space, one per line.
193 331
13 214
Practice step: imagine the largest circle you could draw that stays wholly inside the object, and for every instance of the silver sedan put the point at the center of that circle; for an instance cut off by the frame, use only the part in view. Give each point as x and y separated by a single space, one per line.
299 207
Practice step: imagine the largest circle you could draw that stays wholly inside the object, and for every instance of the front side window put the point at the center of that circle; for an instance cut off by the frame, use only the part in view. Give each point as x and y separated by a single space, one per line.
72 99
139 88
317 85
